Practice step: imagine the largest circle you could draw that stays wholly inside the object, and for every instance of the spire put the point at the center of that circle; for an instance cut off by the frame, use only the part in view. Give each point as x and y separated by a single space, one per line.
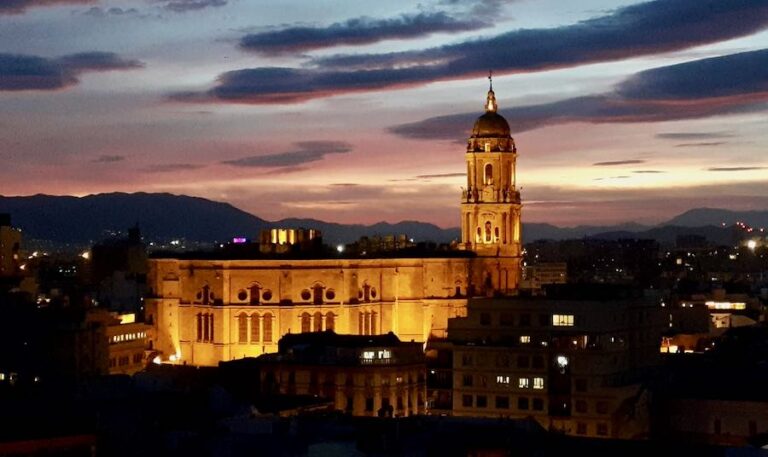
490 101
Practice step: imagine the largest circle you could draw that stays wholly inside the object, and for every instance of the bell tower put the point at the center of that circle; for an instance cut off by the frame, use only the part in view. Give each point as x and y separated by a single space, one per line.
490 203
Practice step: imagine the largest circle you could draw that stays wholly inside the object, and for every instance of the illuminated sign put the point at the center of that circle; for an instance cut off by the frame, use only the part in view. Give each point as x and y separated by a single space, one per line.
239 240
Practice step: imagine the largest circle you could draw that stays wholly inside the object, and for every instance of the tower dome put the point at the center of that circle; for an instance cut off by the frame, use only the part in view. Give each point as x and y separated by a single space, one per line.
491 131
491 124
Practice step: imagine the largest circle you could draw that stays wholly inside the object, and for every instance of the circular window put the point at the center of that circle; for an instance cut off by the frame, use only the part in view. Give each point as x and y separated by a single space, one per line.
267 295
373 292
305 294
330 294
242 295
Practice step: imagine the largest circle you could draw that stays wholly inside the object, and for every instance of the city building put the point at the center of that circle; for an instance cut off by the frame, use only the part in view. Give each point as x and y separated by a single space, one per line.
10 245
375 375
206 311
571 360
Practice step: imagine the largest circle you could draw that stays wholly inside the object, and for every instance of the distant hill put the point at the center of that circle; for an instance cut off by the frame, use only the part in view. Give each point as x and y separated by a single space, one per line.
81 221
699 217
84 220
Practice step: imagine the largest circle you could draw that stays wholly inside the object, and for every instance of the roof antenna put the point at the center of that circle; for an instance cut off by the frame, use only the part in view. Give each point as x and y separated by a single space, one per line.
490 78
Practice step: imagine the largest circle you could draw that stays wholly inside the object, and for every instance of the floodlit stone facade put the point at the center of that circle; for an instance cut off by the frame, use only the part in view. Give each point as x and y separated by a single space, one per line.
207 311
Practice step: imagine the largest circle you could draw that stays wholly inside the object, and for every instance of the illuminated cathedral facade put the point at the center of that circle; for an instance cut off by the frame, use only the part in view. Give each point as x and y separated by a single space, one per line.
203 312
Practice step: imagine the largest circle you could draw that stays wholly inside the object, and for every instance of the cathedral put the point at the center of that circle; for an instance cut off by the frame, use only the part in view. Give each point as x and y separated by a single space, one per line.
203 312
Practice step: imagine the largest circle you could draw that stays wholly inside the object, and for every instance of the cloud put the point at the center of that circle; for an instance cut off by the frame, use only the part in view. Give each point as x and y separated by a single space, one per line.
356 31
648 171
182 6
99 12
643 29
443 175
677 92
701 144
108 159
20 6
172 167
694 135
617 162
306 152
24 72
735 168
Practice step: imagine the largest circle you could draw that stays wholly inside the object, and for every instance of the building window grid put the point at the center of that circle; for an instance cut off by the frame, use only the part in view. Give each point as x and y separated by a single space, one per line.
562 320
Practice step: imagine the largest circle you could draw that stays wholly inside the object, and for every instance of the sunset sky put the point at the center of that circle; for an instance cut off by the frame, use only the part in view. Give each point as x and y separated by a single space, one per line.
358 111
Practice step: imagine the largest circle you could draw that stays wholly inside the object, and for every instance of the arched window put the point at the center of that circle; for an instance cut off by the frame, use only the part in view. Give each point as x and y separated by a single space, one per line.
206 294
267 321
318 327
255 331
206 327
360 324
373 323
242 328
330 321
496 234
306 322
199 326
488 176
317 294
366 292
367 322
255 291
210 332
488 231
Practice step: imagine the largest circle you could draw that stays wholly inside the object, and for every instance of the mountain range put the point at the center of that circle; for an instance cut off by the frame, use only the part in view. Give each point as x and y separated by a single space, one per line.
66 220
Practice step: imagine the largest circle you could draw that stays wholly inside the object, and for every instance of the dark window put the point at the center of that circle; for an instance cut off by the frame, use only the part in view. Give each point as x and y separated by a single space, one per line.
482 401
502 402
242 328
581 385
525 320
466 380
466 360
507 319
306 322
317 295
330 321
369 404
522 403
523 361
255 330
581 406
267 322
581 428
485 318
538 404
255 294
602 429
543 320
350 404
602 407
466 401
318 322
538 361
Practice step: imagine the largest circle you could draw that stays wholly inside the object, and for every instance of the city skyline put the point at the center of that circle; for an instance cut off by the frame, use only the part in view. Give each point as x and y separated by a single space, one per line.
360 113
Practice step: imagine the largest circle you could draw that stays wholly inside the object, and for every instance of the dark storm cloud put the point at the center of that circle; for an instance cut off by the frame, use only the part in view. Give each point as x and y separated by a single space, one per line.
694 135
617 162
306 152
20 6
706 144
108 159
23 72
735 168
172 167
675 95
356 31
182 6
643 29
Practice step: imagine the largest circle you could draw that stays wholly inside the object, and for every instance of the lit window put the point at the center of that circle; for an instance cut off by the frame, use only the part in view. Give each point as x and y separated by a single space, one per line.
525 339
538 383
524 383
562 320
368 355
502 380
